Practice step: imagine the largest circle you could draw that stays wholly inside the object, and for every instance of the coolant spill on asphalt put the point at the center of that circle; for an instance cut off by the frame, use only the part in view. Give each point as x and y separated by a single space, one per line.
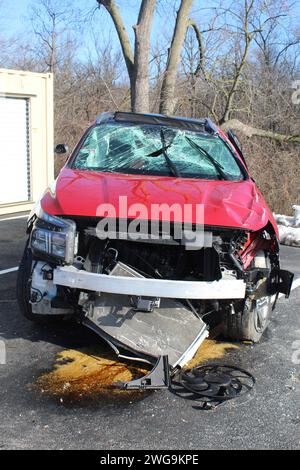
209 351
88 374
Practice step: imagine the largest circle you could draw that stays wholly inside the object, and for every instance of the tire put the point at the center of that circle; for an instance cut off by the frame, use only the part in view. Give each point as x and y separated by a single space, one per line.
251 317
250 320
23 291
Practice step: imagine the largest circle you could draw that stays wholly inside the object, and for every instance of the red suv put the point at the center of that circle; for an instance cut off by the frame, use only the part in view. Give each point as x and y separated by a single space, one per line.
154 230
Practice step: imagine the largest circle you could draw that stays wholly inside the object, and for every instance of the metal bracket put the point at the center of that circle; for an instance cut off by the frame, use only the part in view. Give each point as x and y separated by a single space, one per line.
281 282
158 378
145 305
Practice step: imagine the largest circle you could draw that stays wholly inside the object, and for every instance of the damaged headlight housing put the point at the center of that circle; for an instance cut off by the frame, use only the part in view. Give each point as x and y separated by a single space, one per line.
53 236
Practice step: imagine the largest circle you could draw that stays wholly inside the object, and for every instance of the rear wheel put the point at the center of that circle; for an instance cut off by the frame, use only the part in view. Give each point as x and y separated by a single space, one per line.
252 316
23 291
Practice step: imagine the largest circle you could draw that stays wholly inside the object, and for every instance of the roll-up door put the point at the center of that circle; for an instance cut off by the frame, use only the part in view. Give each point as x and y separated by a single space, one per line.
14 150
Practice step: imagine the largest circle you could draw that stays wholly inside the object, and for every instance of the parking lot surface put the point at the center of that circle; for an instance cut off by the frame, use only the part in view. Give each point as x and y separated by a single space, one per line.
268 419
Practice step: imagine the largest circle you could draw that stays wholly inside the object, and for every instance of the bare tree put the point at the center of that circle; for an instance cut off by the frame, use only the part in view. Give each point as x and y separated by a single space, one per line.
137 63
276 33
247 36
52 21
168 100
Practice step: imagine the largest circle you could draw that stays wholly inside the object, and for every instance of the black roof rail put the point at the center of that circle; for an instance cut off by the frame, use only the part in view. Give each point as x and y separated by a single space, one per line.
203 125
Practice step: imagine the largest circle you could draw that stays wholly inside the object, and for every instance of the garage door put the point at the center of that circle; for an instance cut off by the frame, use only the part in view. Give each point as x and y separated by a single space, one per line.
14 150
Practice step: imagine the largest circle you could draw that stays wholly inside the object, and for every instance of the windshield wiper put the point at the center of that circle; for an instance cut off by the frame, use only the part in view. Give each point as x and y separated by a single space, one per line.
207 155
163 151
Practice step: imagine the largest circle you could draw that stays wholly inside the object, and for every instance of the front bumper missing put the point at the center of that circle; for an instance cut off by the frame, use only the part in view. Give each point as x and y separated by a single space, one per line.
70 276
168 328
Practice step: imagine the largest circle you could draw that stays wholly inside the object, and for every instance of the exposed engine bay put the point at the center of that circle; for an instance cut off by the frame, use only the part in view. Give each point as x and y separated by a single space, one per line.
151 298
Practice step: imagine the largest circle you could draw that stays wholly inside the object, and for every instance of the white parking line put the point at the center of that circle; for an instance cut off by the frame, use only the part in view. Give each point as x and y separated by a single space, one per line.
10 270
296 284
14 218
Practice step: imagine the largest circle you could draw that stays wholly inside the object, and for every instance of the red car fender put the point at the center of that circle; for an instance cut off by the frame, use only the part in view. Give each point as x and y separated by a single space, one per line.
255 244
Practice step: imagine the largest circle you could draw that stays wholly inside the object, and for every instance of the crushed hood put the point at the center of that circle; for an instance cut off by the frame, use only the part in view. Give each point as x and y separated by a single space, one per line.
226 203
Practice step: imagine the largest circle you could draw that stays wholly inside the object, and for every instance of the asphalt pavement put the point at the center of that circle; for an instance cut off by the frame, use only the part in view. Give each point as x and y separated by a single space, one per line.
269 418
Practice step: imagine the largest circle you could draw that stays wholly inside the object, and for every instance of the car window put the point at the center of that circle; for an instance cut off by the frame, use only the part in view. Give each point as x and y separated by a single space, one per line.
156 150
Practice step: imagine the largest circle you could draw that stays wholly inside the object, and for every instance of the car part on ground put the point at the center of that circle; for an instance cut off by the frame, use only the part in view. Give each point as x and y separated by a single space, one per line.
158 379
212 384
209 385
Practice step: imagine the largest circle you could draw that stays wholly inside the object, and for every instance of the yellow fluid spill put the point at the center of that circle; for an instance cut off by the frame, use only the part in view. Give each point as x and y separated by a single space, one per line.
210 350
87 373
90 373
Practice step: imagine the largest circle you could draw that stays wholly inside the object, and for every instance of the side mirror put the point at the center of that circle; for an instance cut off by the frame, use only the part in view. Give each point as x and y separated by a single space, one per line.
61 149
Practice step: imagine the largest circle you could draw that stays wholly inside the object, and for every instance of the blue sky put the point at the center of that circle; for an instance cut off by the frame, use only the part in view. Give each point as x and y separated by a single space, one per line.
16 23
15 20
15 11
15 16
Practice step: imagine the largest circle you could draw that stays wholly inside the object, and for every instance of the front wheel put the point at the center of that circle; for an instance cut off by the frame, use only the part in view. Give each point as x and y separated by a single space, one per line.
249 321
251 316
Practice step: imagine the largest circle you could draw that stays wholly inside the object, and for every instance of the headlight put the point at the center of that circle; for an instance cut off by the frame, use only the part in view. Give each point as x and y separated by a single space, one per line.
53 236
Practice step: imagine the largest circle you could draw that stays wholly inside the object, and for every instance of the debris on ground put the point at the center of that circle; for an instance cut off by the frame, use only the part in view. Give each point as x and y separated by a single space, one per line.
213 384
87 373
90 374
210 351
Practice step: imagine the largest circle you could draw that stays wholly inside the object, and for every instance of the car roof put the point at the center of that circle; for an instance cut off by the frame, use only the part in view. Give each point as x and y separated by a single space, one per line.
202 125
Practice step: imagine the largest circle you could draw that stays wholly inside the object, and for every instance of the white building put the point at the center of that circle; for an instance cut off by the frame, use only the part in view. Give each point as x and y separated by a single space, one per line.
26 138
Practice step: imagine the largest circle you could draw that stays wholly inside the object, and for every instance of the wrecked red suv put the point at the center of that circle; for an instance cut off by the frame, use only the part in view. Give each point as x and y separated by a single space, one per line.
153 231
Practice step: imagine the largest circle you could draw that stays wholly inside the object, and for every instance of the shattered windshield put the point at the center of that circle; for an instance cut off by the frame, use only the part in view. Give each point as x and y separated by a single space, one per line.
156 150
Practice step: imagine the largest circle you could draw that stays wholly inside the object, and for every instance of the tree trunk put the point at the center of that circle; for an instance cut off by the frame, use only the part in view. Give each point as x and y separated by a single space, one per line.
168 99
249 131
248 38
142 31
115 15
53 53
137 64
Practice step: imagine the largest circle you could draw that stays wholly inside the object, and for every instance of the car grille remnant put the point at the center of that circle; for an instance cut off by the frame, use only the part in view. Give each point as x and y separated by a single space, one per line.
161 327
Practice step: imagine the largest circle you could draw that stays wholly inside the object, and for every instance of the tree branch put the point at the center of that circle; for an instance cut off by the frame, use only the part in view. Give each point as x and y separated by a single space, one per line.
249 131
198 34
115 14
142 31
167 103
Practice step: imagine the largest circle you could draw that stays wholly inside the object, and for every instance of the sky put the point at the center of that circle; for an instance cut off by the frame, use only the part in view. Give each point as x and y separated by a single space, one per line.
16 25
15 20
20 8
15 16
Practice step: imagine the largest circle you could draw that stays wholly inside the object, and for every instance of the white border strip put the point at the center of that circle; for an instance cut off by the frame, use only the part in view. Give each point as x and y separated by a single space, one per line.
10 270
